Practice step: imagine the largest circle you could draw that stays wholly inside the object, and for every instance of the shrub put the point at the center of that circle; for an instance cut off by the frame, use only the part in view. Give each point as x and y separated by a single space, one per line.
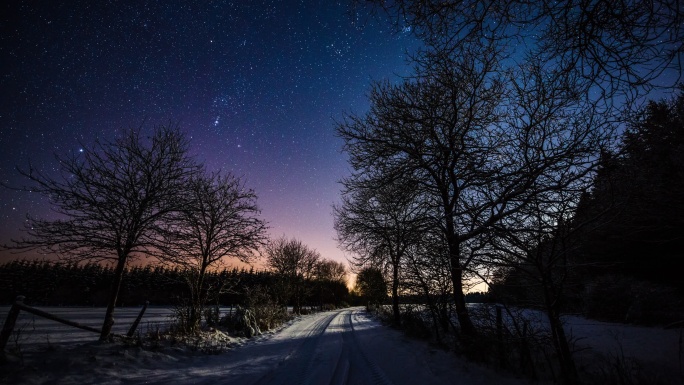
182 321
269 314
212 315
414 324
242 321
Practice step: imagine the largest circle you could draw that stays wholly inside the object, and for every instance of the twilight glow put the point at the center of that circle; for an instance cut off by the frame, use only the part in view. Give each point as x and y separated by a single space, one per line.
256 86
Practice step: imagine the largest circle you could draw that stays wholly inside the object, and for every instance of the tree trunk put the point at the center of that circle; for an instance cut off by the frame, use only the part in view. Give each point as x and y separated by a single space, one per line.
560 341
434 311
467 328
395 296
297 306
198 301
113 296
442 307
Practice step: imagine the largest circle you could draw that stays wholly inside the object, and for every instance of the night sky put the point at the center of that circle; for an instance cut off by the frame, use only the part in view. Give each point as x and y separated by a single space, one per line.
256 85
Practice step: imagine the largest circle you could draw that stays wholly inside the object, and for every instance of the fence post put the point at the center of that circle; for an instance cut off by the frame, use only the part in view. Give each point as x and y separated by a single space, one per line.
9 323
499 337
131 331
526 355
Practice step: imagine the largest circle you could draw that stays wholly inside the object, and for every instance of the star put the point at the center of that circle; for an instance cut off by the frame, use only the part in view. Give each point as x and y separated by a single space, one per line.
260 73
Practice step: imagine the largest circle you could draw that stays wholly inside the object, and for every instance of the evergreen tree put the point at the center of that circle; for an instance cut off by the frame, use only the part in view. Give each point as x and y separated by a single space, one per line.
638 198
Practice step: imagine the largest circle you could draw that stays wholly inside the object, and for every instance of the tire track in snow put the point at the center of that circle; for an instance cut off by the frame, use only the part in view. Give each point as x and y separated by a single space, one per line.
330 353
362 367
295 367
340 358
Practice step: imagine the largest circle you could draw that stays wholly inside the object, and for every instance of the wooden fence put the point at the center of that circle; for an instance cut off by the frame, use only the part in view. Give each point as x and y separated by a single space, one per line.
19 305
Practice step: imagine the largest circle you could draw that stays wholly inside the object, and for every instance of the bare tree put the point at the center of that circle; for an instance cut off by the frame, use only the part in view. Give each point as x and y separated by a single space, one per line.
109 201
426 276
619 47
543 246
329 283
371 285
219 220
378 223
441 131
538 244
482 142
293 261
329 270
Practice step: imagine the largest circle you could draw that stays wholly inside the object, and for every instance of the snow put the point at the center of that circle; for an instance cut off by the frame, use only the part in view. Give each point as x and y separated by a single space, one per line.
341 346
658 349
38 330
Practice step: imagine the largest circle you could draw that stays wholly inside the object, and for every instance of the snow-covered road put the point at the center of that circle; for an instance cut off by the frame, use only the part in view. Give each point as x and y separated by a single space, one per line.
325 350
335 347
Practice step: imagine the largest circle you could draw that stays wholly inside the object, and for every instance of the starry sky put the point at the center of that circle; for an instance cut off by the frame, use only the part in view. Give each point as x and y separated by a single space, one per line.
256 85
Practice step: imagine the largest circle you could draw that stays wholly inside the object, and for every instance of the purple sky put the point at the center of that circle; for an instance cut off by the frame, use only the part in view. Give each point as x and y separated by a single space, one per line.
256 85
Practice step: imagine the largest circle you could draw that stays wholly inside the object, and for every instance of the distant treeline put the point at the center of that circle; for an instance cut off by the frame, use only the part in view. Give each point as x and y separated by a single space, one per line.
49 283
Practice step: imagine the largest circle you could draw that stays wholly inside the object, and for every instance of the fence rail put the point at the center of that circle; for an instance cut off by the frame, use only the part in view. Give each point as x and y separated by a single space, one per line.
19 306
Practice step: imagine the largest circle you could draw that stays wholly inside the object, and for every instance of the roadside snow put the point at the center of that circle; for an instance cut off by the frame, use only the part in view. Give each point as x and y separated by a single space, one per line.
317 348
408 361
652 349
343 346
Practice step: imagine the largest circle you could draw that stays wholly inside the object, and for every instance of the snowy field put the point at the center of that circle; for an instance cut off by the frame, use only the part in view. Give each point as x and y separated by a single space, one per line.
35 330
335 347
652 347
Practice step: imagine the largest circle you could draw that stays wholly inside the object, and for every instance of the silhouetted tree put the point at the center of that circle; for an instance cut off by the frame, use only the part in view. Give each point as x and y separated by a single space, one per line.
378 221
429 130
109 200
294 262
640 188
619 47
536 247
329 270
371 285
426 276
482 143
218 220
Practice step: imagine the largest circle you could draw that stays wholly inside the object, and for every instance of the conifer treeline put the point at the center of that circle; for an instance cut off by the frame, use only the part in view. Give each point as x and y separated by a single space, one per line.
49 283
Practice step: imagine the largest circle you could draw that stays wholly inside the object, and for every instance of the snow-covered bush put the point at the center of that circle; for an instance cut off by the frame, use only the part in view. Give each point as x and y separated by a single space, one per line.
242 321
212 315
182 321
415 322
260 313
